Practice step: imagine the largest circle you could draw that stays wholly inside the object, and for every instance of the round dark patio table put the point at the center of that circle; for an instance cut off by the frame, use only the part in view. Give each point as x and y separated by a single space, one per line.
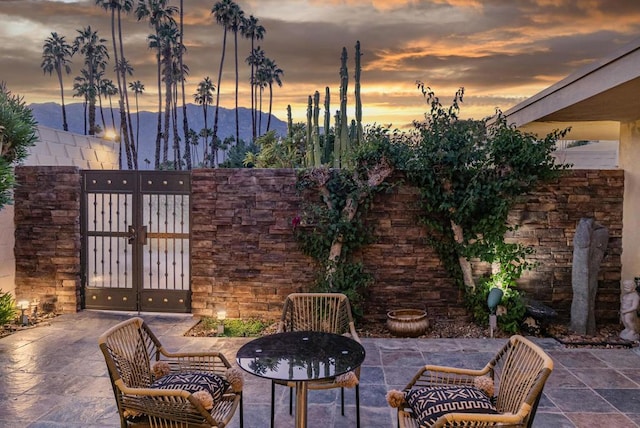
300 357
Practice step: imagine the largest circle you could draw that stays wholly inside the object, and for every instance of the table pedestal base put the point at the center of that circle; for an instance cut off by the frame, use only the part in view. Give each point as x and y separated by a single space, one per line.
301 404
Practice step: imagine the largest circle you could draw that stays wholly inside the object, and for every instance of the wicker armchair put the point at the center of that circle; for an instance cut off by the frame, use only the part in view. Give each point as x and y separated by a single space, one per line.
130 349
325 312
519 371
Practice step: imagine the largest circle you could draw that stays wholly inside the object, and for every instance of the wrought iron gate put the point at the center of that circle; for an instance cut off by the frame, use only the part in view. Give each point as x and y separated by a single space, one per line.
136 246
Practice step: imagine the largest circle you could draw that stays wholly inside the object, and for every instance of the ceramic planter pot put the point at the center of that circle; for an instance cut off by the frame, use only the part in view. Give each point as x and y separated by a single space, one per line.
407 322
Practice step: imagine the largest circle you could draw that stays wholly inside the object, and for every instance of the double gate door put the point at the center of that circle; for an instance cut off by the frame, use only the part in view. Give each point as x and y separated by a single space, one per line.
136 247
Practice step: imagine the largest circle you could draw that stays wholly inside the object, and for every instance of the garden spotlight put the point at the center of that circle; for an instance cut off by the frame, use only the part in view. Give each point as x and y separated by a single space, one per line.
493 300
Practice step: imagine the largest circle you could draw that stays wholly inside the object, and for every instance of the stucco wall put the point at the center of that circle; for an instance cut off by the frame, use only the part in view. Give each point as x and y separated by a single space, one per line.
629 161
53 148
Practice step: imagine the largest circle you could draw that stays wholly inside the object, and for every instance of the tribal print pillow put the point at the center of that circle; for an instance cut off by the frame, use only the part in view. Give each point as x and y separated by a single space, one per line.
429 403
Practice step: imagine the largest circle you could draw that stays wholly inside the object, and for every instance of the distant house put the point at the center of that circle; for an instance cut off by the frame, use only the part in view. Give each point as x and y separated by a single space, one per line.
53 148
600 101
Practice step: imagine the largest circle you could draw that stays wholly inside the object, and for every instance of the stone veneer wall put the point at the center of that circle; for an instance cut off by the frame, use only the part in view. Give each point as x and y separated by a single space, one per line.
244 256
47 248
549 218
245 259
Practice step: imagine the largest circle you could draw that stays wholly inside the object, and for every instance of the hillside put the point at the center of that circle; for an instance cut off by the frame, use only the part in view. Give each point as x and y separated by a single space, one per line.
50 114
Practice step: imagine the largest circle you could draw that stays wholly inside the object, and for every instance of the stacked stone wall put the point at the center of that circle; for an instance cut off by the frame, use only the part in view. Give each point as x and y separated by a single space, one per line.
47 236
245 259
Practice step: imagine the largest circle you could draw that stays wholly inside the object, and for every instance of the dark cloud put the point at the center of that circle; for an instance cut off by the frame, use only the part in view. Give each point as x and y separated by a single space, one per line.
502 52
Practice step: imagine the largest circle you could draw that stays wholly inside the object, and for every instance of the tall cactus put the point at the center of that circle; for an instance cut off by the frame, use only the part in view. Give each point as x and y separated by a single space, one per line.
289 122
336 141
310 152
327 126
357 95
344 124
317 155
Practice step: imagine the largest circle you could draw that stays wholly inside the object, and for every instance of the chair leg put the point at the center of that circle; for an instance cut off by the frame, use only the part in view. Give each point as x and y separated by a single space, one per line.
241 410
273 393
342 401
290 401
358 406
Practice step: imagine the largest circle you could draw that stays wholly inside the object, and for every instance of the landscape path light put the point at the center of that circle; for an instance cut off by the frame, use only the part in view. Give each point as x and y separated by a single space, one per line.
23 305
222 315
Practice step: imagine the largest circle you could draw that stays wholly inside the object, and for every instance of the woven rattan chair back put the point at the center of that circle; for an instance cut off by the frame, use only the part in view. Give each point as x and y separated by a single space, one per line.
325 312
520 371
130 348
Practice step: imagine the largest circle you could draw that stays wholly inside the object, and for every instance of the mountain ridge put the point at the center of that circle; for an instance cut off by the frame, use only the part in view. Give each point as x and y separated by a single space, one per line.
50 114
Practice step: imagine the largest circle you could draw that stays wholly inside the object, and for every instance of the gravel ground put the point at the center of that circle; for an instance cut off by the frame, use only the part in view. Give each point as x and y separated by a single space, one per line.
607 336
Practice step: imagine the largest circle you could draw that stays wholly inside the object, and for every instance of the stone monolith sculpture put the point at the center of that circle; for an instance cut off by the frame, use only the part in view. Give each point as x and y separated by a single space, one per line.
589 246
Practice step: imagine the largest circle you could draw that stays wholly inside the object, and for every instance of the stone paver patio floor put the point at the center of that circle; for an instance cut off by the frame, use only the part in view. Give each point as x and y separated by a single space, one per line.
55 376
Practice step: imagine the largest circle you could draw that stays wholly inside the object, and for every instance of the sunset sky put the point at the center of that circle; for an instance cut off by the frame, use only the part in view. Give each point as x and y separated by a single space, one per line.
500 51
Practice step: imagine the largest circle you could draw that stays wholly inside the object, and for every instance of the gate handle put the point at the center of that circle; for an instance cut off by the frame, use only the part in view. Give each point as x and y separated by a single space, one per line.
132 235
137 238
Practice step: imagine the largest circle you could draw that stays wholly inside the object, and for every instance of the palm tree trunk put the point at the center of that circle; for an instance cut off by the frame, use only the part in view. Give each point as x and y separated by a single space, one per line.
270 106
65 126
159 124
256 112
176 140
205 150
92 102
235 38
253 106
137 124
113 118
123 119
185 121
129 128
215 117
104 124
260 113
167 114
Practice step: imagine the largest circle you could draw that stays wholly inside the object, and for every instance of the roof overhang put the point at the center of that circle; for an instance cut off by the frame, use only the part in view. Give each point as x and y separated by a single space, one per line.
595 99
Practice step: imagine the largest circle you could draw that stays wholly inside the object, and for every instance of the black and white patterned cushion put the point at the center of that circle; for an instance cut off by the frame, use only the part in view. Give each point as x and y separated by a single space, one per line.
194 382
429 403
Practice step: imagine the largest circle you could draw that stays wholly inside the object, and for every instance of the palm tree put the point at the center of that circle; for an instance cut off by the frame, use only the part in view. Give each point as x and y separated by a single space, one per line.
236 21
138 88
204 97
253 31
125 69
108 89
165 42
89 44
255 59
185 121
116 7
99 79
56 55
261 80
81 89
178 74
223 11
157 11
273 75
